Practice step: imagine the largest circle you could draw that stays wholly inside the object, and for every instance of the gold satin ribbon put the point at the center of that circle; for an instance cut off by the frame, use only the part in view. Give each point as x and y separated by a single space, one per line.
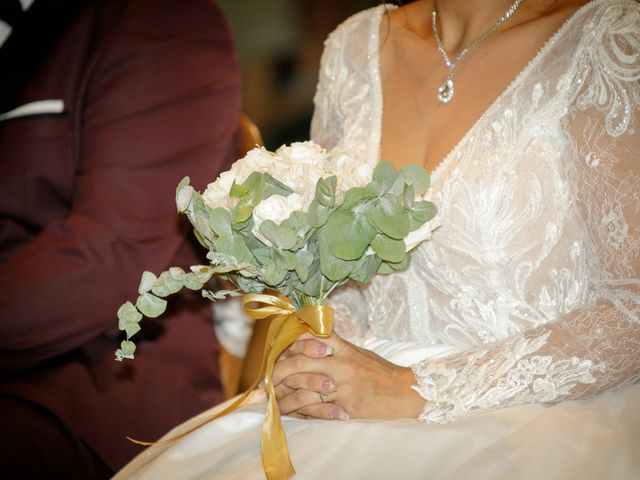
287 325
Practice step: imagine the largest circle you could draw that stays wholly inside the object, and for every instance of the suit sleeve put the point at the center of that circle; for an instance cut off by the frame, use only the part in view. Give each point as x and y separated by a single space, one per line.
161 100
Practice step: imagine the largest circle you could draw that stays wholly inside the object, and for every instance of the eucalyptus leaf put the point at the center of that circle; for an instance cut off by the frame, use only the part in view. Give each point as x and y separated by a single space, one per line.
389 267
273 275
383 177
409 196
126 350
183 197
249 285
183 183
317 214
366 267
401 265
220 221
167 285
238 190
200 218
219 259
417 177
348 234
423 211
128 319
176 273
390 217
280 236
297 222
255 184
220 294
355 196
397 188
203 274
150 305
241 213
388 249
326 191
146 282
244 226
275 187
284 259
232 245
313 284
263 255
304 259
201 240
332 267
192 281
385 269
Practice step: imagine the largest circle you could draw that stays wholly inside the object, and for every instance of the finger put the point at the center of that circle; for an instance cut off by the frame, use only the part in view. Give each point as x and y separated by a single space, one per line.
310 381
282 391
299 363
310 347
325 411
300 398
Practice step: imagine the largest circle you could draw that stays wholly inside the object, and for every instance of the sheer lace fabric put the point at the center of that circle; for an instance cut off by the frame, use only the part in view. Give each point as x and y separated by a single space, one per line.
535 270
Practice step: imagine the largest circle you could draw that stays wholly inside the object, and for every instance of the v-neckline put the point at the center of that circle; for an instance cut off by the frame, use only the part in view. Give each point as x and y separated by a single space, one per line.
519 78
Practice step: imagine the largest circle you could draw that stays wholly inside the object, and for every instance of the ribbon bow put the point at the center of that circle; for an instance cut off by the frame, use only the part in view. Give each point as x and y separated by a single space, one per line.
287 325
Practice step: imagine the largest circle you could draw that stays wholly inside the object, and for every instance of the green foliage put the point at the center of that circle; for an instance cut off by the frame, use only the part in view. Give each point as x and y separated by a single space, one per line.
349 233
326 191
306 256
389 217
279 235
129 319
388 249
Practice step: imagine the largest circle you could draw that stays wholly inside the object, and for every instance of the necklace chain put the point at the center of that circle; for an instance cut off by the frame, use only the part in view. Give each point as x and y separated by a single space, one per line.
446 90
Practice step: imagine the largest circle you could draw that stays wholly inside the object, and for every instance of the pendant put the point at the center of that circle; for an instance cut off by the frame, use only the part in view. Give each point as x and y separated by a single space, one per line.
445 91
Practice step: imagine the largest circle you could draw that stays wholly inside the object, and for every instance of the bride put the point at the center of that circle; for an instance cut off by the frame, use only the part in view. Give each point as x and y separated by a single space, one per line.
528 294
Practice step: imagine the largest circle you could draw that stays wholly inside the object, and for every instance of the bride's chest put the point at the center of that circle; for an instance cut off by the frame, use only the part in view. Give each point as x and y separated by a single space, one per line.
510 252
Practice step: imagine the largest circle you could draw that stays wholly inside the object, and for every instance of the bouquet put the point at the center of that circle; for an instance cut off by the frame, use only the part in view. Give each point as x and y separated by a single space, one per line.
300 222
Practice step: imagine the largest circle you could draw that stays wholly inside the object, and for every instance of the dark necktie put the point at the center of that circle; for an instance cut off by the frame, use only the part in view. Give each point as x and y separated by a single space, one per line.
10 11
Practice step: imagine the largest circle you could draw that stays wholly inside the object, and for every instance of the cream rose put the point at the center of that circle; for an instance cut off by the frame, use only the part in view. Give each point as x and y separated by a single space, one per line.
276 208
217 193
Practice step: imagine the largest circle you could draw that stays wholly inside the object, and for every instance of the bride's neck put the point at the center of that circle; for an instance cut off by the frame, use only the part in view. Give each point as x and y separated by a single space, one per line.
462 21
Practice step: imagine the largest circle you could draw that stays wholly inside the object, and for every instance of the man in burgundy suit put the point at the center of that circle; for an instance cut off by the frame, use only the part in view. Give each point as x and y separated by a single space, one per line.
104 107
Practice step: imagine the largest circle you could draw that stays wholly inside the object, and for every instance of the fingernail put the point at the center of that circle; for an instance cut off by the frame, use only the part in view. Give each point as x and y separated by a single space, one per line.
324 349
327 385
339 414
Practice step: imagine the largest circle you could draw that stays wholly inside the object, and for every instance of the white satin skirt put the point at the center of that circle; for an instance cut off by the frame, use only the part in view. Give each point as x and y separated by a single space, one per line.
594 439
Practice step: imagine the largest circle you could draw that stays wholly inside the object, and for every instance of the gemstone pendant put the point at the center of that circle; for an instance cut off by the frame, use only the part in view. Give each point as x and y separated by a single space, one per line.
445 91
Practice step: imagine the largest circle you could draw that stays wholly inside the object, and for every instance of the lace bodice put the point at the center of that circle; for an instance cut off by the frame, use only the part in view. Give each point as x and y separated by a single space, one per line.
535 270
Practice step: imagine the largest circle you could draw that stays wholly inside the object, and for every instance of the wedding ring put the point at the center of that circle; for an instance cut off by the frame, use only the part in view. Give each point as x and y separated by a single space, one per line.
321 397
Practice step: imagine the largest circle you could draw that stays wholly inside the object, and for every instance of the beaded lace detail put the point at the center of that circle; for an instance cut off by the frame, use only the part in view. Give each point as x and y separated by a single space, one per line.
535 271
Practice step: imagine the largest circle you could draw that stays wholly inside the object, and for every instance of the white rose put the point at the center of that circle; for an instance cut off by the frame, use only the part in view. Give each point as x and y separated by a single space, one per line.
302 152
275 208
256 160
217 193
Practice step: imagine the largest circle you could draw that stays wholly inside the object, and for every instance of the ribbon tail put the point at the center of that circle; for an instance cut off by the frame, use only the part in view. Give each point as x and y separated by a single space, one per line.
273 332
275 453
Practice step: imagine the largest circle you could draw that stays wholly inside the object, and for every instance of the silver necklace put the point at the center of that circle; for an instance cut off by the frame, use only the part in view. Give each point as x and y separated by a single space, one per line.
446 89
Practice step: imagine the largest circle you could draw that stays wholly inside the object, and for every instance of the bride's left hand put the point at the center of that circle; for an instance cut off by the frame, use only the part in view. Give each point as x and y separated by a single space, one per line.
331 378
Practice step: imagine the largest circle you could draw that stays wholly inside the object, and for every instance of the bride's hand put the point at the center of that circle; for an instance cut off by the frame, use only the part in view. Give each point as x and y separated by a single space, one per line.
331 378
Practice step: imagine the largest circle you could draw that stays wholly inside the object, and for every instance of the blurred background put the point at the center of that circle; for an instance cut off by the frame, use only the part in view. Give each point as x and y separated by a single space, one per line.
279 44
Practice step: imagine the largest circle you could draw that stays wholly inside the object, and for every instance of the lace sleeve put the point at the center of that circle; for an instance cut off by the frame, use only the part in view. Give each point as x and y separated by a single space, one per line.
595 347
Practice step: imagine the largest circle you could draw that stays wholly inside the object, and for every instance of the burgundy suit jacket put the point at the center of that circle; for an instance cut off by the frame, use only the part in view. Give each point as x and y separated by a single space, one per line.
151 93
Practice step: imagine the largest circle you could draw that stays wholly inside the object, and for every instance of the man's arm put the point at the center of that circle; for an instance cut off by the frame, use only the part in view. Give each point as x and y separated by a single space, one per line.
162 101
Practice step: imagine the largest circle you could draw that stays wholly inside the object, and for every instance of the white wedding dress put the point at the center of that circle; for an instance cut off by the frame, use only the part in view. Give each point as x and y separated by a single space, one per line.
521 316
